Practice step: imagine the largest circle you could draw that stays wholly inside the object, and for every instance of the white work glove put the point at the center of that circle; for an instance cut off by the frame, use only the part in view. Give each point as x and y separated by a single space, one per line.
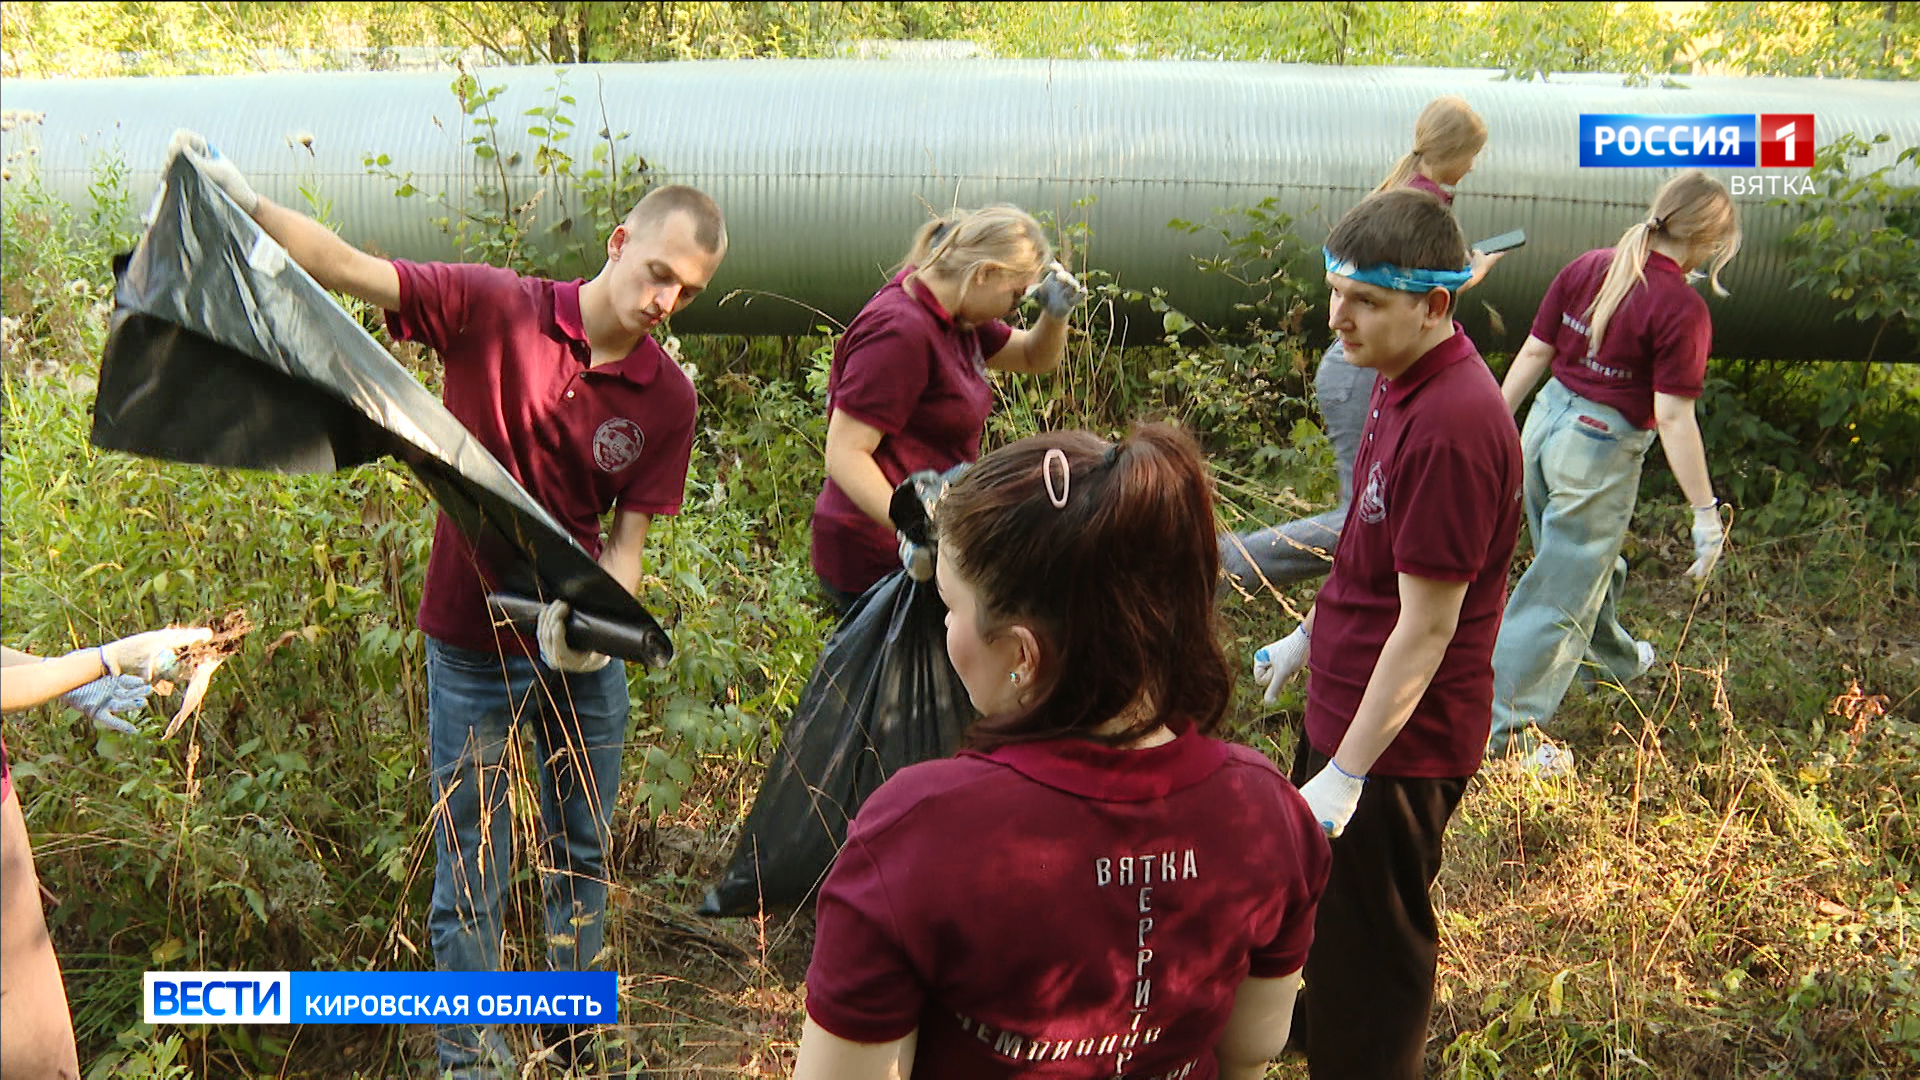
1058 292
1274 664
554 650
218 169
916 559
1332 795
1709 536
150 654
100 699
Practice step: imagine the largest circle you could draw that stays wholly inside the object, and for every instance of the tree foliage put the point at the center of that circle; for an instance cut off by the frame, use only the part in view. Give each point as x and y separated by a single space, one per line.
1640 40
1831 40
1859 241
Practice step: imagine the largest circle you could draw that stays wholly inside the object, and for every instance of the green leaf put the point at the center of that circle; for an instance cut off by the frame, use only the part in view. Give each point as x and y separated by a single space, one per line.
255 901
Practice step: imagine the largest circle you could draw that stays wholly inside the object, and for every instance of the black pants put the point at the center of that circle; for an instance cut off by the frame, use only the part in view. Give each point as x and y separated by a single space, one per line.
1369 976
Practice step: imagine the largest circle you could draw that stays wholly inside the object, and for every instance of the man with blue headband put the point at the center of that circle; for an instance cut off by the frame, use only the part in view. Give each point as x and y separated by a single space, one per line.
1400 639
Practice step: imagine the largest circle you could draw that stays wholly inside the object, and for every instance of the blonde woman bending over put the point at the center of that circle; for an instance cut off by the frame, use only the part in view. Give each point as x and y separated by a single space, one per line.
1627 339
908 389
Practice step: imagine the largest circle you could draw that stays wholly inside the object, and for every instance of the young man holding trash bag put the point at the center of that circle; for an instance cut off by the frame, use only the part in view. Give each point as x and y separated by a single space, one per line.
562 382
1401 636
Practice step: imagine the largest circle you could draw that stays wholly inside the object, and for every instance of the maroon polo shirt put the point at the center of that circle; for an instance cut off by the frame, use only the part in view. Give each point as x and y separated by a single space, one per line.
1436 495
1424 183
1063 909
1657 340
581 440
905 368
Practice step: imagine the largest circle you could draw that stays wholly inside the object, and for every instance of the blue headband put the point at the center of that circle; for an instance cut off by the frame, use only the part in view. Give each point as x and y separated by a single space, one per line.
1399 278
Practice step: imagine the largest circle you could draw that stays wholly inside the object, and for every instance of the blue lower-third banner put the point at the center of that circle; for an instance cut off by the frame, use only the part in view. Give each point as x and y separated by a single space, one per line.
381 997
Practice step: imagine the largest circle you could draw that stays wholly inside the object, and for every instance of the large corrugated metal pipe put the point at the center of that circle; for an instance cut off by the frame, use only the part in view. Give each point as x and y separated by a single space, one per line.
825 167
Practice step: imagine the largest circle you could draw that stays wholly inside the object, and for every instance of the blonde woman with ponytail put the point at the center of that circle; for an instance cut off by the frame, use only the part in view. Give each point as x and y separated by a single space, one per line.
1627 339
908 389
1447 138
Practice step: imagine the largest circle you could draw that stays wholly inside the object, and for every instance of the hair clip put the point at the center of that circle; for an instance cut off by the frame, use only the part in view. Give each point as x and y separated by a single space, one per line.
1657 224
1112 455
1057 498
940 230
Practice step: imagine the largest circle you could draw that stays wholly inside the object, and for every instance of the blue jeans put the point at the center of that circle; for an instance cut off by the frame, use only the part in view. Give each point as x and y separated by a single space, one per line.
475 701
1582 476
1303 549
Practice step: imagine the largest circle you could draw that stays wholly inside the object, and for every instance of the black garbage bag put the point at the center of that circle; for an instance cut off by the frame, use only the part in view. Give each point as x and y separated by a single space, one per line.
224 352
883 696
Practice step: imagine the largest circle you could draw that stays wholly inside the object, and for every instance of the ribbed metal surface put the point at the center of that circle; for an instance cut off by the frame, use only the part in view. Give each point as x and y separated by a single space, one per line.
824 167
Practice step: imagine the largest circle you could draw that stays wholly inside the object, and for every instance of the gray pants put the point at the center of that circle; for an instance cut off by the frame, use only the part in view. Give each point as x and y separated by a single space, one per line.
1303 549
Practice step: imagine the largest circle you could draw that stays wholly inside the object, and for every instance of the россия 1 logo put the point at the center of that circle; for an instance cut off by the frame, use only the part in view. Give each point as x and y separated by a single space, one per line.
1726 140
1721 140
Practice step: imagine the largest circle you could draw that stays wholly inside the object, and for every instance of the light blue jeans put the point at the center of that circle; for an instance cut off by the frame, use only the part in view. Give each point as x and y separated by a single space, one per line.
1582 476
475 702
1303 549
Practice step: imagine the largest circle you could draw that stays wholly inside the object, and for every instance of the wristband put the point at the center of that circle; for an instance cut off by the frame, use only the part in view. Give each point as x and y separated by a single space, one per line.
105 664
1305 633
1336 768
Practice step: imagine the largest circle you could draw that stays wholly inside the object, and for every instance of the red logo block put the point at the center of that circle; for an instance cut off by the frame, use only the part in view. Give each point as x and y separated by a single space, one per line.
1786 140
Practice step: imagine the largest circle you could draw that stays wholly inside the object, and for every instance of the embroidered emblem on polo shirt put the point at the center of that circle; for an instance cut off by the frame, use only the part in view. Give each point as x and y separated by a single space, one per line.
617 444
1373 498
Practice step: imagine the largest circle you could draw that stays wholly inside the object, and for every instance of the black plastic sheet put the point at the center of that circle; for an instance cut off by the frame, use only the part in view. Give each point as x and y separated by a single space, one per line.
223 352
882 697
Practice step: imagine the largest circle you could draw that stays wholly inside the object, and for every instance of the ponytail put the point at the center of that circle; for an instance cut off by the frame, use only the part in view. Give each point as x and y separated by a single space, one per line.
1627 269
1692 209
1447 130
1402 172
930 241
1106 552
998 237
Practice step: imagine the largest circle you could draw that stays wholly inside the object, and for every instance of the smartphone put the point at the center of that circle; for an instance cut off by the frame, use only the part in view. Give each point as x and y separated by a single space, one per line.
1506 241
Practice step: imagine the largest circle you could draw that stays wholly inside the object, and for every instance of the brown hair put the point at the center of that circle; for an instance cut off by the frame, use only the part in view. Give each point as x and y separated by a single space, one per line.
1448 128
1404 226
1692 208
997 237
709 225
1117 585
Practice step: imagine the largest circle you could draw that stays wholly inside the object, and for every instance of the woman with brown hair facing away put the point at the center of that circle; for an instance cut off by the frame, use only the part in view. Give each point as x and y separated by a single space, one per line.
908 388
1096 886
1627 339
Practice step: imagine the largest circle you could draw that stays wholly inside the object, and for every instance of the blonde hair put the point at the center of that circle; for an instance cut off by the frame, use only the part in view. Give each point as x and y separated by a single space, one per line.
1693 209
1448 129
997 237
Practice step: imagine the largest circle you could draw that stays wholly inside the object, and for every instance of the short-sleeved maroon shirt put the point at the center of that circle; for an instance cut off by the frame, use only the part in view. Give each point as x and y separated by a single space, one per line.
1063 909
581 440
1657 340
1436 495
907 369
1424 183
